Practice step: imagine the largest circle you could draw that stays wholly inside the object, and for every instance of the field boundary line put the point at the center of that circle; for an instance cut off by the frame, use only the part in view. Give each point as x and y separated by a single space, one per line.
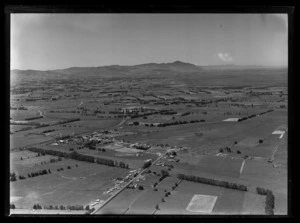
242 166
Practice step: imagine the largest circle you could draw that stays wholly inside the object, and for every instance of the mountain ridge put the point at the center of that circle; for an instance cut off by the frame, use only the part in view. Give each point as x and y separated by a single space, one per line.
170 65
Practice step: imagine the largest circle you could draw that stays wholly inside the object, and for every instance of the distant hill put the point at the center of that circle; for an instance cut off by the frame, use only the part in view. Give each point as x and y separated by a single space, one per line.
177 68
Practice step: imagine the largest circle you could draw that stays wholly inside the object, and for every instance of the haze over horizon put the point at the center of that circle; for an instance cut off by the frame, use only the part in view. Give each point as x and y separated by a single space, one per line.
59 41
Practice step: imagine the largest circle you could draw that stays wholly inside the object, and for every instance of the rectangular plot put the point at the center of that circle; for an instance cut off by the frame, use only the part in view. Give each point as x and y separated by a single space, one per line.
122 202
217 165
168 183
230 202
146 203
254 204
202 203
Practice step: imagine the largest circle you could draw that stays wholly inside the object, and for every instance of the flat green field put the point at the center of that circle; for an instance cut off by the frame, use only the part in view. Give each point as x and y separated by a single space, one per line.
254 204
146 203
79 185
122 203
263 174
215 165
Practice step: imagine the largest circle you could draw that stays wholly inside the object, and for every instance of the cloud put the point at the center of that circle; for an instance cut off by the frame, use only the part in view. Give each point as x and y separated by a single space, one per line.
225 57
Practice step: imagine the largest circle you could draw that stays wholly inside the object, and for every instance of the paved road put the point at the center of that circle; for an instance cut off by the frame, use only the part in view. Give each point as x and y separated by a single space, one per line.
131 181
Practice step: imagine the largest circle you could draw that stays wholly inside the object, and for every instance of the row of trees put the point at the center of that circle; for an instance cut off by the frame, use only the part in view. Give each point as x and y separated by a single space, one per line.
32 118
179 123
214 182
161 112
170 123
81 157
270 200
62 207
68 120
63 111
143 115
52 160
12 176
49 130
185 113
37 207
254 115
39 173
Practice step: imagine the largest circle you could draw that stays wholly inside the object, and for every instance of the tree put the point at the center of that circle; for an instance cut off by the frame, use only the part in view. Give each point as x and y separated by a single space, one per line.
13 176
12 206
221 150
147 164
157 207
21 177
238 152
260 141
164 173
141 187
87 208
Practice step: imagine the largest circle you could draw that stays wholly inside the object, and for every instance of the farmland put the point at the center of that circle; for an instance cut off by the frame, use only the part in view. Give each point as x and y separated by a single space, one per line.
85 137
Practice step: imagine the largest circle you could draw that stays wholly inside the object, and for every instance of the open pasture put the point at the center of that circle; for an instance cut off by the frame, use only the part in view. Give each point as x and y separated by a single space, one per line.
20 115
229 202
33 164
168 183
215 165
122 203
254 204
19 139
267 177
79 185
146 203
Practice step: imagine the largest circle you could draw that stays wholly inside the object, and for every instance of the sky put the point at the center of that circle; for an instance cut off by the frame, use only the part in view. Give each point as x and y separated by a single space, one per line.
55 41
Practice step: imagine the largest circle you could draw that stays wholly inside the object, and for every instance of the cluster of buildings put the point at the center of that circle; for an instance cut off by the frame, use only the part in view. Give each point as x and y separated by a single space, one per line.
134 109
141 146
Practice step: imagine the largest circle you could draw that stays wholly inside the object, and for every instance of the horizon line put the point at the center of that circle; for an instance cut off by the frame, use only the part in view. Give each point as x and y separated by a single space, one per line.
128 65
